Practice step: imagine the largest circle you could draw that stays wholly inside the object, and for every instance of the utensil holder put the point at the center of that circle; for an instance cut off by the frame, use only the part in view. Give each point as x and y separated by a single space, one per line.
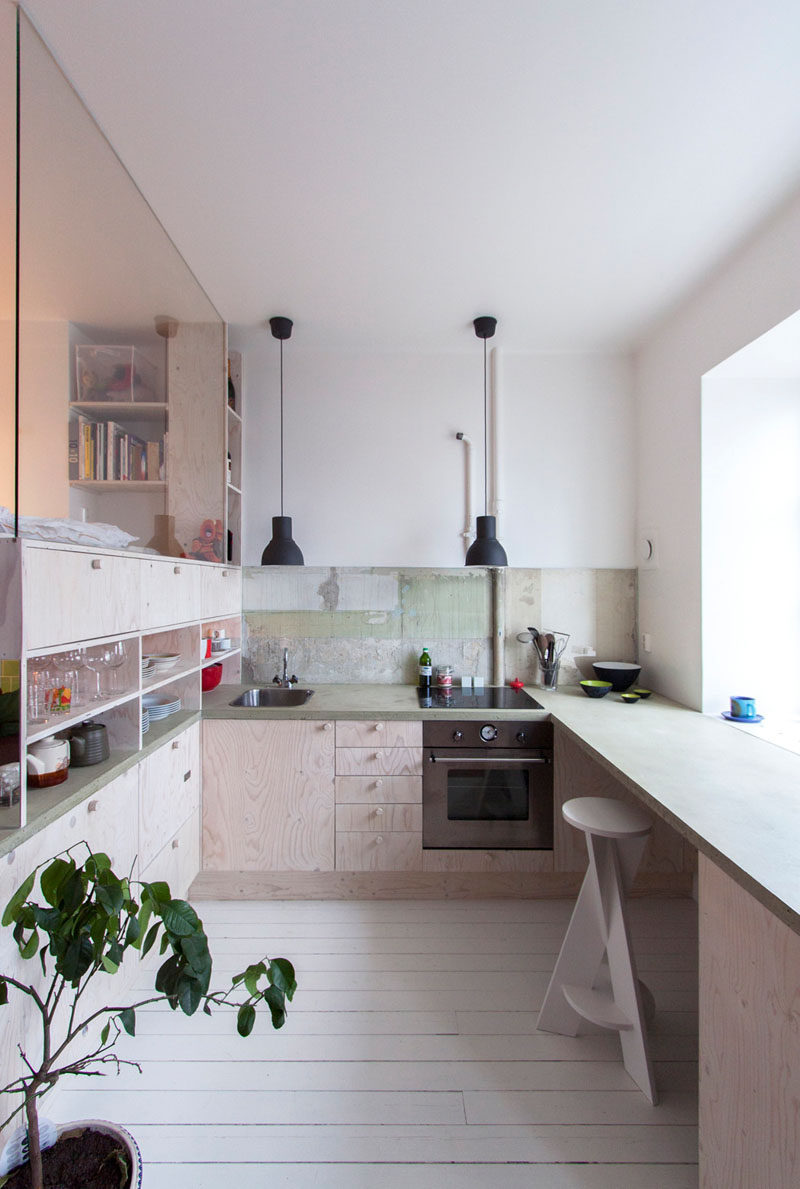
548 675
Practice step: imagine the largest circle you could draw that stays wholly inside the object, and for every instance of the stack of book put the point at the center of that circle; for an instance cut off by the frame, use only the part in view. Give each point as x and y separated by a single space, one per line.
106 450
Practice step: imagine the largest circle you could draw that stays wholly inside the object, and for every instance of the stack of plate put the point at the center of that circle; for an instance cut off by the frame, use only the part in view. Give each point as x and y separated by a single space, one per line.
160 706
162 662
147 667
145 720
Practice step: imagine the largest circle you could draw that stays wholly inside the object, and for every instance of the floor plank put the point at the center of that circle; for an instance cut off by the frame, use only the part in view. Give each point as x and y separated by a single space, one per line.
410 1058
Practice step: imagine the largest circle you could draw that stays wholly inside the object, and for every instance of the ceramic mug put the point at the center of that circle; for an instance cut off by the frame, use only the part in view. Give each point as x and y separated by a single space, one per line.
743 707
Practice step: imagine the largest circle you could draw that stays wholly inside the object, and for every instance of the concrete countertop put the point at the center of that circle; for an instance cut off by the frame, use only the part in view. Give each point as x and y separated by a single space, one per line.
734 796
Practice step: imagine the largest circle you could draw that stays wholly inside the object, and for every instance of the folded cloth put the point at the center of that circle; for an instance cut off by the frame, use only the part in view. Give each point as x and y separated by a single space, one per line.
76 532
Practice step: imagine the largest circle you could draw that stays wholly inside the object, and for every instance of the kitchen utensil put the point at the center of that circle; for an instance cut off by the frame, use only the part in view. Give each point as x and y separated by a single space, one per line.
47 762
88 743
211 677
644 694
738 717
629 698
596 689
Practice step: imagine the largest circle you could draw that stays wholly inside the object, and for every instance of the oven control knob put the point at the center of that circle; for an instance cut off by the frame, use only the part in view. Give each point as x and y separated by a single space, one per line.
488 733
458 735
522 737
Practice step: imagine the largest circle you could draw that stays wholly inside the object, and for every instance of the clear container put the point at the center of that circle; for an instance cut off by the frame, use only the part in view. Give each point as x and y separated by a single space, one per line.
444 676
9 785
114 374
548 675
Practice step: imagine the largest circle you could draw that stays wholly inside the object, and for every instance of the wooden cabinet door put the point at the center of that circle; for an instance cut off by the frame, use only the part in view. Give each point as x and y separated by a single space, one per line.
268 802
69 596
169 792
171 593
221 592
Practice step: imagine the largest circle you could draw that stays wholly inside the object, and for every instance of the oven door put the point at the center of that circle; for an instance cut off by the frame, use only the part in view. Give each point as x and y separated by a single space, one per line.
487 798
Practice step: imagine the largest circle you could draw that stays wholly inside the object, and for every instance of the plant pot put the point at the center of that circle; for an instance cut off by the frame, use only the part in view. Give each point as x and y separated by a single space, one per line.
67 1130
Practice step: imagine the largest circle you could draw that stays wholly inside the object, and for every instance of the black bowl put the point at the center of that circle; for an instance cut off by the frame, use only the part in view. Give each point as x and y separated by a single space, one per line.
621 674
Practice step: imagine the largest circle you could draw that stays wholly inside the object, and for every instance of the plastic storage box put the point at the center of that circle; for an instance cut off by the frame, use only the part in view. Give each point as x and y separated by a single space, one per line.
114 374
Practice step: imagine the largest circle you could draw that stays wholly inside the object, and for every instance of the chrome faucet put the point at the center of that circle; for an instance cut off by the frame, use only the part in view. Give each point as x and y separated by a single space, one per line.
286 682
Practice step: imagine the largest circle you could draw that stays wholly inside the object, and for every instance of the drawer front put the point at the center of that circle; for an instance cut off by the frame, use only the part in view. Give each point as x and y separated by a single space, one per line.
379 761
379 733
221 592
487 860
179 860
359 851
379 819
171 593
377 790
169 792
76 596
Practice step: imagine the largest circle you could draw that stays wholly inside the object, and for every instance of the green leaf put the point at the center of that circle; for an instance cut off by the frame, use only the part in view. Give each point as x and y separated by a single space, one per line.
31 945
150 939
252 975
109 965
127 1019
4 993
96 864
245 1019
103 1035
157 893
145 912
76 959
275 1001
281 975
18 899
133 932
53 877
180 918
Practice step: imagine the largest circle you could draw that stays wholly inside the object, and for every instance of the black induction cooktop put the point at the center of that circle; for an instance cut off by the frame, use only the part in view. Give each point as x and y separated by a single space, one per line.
491 697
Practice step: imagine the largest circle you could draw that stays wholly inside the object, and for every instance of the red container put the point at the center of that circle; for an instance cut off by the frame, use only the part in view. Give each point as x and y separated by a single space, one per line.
211 677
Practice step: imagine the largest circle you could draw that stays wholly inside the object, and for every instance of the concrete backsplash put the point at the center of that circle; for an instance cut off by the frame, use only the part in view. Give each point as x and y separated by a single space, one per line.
369 625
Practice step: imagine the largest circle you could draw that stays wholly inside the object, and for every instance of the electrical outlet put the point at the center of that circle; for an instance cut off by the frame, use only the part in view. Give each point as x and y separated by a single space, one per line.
647 642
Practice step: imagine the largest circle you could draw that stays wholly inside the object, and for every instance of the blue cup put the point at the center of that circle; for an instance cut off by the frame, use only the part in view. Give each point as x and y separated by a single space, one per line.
743 707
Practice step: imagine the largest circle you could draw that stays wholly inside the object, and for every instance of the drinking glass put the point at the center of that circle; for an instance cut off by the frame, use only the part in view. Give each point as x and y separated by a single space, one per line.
113 657
93 660
41 679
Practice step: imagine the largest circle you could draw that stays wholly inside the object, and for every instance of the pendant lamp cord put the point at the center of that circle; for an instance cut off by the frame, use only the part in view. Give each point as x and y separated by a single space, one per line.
281 342
485 439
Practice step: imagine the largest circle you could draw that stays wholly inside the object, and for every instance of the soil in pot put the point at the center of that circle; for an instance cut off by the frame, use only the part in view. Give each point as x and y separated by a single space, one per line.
89 1160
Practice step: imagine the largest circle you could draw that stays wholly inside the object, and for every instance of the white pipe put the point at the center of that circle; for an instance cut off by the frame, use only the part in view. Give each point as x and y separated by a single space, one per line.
467 531
496 496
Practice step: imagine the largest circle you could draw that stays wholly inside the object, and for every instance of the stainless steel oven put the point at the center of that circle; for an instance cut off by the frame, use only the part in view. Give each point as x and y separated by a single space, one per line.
487 784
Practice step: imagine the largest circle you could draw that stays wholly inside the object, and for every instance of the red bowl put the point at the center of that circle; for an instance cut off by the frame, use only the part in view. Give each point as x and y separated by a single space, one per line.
211 677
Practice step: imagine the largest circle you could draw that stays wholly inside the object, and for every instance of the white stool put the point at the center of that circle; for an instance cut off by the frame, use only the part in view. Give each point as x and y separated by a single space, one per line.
616 834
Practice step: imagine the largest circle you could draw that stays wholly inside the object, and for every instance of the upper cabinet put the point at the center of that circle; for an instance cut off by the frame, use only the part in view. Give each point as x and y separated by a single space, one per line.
122 358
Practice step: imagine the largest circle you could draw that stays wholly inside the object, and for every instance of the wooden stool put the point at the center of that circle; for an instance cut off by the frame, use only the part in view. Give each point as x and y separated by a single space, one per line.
616 834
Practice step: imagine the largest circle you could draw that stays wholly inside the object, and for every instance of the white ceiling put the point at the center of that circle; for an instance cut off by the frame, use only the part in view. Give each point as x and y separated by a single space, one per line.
384 170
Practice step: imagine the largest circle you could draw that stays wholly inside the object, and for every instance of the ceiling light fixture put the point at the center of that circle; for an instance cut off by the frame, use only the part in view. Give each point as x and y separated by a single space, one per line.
485 550
281 551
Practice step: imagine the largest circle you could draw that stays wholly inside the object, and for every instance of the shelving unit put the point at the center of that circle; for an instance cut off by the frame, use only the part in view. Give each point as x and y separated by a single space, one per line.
233 448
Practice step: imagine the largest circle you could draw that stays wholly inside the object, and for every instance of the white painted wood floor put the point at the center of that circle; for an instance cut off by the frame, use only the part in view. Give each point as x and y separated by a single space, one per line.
410 1058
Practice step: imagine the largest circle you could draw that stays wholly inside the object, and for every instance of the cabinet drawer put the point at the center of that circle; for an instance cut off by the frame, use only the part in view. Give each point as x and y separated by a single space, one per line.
75 596
378 819
377 790
169 792
179 860
221 592
357 851
171 593
378 733
378 761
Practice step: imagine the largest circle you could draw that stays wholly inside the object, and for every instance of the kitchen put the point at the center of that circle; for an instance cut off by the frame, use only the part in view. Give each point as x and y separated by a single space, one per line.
642 412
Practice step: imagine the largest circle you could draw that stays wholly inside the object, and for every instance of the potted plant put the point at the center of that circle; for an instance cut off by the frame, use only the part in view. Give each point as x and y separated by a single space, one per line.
86 922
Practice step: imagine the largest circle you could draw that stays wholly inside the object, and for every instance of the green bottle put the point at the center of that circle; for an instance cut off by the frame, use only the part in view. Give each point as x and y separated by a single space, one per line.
425 669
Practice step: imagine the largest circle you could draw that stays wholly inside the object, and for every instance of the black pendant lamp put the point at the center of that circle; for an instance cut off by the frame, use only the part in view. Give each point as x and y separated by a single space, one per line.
281 551
485 550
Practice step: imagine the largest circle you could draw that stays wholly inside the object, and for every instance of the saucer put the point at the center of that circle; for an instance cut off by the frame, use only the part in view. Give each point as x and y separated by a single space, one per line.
741 717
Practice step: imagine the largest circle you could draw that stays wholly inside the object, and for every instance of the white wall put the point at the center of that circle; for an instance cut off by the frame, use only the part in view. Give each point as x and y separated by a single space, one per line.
751 543
375 475
755 289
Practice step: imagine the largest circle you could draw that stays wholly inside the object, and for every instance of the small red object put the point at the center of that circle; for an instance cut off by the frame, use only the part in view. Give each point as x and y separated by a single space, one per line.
516 684
211 677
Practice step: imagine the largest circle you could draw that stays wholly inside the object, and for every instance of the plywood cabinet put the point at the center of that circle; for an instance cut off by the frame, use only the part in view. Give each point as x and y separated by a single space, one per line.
76 595
268 795
169 792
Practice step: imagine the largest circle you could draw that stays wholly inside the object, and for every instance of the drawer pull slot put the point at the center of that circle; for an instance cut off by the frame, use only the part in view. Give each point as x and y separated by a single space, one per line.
97 563
187 776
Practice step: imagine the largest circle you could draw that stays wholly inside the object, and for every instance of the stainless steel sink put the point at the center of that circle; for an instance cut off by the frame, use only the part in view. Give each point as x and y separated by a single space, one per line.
273 695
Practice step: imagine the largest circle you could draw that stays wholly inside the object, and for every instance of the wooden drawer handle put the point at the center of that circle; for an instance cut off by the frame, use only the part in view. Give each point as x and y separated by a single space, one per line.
226 573
175 844
91 807
378 782
378 726
176 744
176 569
379 811
378 839
97 563
187 776
327 726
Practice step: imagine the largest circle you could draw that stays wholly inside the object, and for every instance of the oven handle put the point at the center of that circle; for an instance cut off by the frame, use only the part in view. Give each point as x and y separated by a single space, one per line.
433 759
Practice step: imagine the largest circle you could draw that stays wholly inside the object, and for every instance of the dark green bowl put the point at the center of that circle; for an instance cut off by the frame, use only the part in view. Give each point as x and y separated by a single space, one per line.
596 689
643 693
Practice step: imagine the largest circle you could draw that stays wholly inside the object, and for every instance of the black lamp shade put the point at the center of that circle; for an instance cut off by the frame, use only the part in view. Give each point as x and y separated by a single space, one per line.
486 550
282 551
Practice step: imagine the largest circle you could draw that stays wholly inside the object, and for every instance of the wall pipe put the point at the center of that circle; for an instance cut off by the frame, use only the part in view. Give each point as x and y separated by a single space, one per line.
467 532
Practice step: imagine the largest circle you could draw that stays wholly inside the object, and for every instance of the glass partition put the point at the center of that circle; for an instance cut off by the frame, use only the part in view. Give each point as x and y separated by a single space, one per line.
121 355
